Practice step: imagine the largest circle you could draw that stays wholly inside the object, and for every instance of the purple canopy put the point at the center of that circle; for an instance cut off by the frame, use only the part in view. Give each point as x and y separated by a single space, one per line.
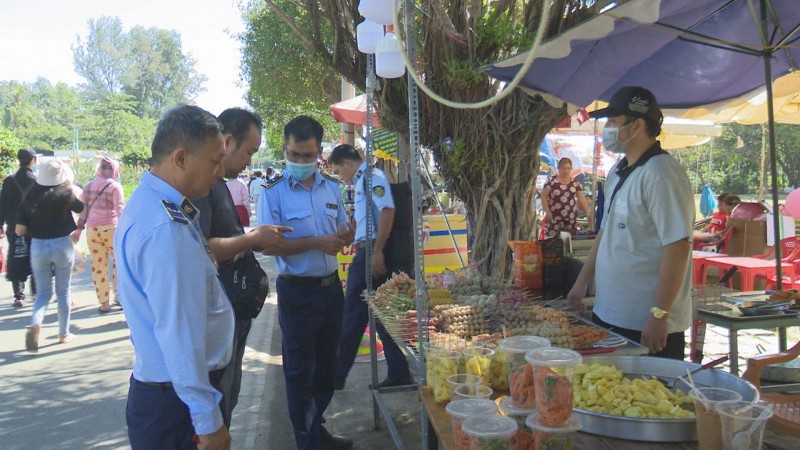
687 52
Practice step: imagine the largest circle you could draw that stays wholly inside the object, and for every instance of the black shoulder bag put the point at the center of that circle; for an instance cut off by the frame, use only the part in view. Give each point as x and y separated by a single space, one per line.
245 283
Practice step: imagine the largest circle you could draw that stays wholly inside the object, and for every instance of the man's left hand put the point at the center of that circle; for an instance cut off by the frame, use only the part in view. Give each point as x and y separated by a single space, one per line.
654 334
378 264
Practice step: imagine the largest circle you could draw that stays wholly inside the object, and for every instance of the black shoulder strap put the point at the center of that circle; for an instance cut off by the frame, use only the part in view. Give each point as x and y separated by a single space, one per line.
623 171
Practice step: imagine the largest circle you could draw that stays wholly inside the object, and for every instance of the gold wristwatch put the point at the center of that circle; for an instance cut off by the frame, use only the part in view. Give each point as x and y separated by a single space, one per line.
658 313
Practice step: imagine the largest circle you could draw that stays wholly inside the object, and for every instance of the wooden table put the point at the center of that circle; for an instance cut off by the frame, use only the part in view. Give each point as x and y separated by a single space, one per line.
748 267
698 263
440 423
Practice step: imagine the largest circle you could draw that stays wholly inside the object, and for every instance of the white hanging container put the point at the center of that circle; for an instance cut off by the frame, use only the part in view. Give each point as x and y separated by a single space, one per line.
388 60
368 34
378 11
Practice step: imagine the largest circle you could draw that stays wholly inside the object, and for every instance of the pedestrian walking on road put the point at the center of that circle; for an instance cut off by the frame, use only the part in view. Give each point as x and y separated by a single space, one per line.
15 189
310 296
46 216
104 200
180 320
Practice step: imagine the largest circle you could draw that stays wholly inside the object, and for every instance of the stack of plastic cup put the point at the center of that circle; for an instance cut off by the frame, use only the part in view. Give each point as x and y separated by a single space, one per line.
489 432
553 376
471 391
520 374
462 379
524 438
709 426
552 437
460 410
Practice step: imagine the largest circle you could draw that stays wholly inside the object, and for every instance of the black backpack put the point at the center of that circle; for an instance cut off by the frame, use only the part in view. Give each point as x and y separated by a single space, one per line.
246 284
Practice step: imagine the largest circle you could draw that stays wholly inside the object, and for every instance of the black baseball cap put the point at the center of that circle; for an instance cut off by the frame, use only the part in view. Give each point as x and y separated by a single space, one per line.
633 101
26 155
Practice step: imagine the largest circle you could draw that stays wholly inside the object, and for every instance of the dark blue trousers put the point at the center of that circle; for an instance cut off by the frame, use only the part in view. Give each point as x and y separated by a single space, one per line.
356 317
157 419
310 316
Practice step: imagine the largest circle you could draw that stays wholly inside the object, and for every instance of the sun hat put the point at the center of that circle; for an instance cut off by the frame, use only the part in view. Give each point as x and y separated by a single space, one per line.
53 172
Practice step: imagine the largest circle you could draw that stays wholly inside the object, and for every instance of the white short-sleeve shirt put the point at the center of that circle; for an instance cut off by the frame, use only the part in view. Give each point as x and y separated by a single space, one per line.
653 208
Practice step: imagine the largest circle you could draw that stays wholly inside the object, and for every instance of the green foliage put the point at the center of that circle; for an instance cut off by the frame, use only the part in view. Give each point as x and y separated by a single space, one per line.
732 162
462 73
135 158
147 64
9 145
503 30
284 80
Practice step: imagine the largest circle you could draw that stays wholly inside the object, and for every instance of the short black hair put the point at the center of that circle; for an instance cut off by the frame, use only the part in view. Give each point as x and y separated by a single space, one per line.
237 122
257 174
270 170
183 126
343 152
721 197
732 200
303 128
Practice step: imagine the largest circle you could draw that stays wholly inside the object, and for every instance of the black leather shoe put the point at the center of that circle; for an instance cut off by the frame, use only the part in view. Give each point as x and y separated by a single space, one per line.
331 442
392 382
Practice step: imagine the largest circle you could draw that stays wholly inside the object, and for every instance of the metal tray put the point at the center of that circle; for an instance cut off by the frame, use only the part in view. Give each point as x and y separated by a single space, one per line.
657 430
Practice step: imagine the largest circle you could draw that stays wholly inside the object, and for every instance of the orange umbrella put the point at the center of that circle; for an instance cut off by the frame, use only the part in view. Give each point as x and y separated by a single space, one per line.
353 111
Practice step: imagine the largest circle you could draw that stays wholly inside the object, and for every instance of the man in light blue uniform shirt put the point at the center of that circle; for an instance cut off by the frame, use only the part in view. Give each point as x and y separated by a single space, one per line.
310 294
347 163
181 322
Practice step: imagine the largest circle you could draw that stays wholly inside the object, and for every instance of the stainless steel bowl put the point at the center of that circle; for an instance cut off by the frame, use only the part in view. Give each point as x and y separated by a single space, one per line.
658 430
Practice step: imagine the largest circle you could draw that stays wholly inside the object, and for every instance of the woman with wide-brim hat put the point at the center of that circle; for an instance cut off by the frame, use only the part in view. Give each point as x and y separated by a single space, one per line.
47 218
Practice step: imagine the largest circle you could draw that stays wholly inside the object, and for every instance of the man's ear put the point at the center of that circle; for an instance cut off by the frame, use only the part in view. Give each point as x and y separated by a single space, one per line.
229 143
179 157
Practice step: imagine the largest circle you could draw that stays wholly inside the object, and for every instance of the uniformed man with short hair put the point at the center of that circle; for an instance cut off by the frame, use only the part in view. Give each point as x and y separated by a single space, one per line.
181 322
310 296
346 162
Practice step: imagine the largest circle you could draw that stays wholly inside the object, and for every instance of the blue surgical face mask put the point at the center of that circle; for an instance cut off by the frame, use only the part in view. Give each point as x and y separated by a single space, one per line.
611 139
299 171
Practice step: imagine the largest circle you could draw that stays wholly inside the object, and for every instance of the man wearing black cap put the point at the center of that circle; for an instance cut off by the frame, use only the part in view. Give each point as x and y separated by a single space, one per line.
14 190
641 256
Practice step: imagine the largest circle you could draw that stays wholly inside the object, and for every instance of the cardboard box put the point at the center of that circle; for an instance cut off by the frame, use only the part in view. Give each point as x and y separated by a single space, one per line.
749 237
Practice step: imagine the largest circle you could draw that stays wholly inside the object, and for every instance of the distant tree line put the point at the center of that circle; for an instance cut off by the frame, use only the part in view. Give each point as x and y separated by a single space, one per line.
131 77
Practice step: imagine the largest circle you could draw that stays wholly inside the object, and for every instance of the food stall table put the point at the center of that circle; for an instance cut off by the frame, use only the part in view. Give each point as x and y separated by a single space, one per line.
440 423
698 263
735 321
748 267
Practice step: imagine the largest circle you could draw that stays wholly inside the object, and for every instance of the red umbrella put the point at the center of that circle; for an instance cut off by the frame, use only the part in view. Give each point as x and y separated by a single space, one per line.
353 111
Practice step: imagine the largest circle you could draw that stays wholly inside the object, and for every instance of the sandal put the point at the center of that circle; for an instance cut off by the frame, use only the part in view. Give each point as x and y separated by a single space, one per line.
105 310
66 338
18 304
32 339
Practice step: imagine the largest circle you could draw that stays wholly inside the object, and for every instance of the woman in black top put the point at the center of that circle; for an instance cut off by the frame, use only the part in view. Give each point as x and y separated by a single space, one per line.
47 218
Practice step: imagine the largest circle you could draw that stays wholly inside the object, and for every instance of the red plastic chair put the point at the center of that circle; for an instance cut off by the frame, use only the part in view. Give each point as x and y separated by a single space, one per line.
788 245
720 246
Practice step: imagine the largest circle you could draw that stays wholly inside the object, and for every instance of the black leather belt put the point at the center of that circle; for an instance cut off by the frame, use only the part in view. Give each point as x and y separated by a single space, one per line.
325 281
214 376
361 245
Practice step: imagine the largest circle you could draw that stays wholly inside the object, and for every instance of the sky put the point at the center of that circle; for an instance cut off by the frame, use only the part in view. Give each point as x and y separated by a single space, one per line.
36 38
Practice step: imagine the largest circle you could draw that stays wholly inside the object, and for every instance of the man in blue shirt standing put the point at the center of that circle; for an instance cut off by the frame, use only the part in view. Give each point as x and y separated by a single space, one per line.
310 294
181 322
347 163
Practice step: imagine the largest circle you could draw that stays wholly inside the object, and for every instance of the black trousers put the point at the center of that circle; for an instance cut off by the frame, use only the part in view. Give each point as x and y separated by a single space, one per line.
676 342
310 317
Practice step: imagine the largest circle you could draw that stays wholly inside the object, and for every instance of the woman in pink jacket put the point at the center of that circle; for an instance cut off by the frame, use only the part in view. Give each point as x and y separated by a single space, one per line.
104 200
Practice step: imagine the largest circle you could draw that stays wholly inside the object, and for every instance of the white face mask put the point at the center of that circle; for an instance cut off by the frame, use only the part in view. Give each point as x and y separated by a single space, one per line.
611 139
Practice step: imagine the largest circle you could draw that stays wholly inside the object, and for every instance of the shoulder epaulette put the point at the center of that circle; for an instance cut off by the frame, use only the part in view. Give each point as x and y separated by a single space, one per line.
331 177
272 182
188 208
174 212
